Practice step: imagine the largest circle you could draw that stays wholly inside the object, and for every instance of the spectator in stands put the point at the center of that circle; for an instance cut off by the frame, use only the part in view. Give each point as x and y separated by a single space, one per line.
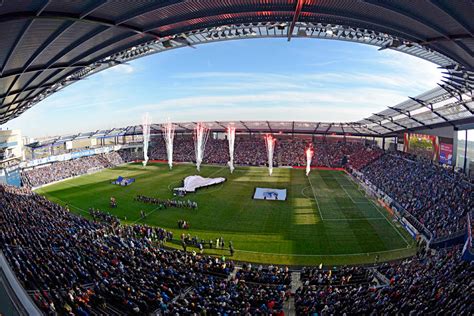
436 197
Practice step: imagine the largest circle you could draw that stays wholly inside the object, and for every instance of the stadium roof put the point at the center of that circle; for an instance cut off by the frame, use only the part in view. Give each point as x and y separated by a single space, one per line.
53 43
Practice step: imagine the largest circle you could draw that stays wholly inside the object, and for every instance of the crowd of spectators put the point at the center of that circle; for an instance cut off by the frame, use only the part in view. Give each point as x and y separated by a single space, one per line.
71 265
216 296
269 275
337 276
248 151
101 216
65 169
252 151
434 283
437 197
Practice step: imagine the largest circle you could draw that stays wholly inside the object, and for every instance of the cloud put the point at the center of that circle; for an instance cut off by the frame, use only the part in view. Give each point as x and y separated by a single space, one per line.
285 105
122 69
317 86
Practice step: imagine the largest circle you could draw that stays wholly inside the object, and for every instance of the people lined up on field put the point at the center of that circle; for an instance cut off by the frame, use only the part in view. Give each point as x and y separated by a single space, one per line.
195 241
162 203
182 224
101 216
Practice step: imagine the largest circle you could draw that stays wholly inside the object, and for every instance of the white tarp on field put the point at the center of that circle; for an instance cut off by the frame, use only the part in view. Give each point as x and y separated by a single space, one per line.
270 194
192 183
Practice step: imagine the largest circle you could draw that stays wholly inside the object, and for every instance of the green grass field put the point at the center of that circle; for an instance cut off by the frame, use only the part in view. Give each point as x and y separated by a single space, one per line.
326 218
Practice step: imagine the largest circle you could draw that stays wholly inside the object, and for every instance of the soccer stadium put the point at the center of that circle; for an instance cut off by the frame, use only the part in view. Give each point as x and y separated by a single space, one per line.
284 175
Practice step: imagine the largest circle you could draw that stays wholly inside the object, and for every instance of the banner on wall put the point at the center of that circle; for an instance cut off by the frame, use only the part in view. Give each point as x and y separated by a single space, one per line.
69 156
446 154
12 175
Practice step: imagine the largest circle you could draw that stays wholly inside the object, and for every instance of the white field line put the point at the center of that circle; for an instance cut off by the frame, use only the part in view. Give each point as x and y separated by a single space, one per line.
350 197
347 193
321 255
353 208
377 208
317 203
391 224
353 219
146 214
77 208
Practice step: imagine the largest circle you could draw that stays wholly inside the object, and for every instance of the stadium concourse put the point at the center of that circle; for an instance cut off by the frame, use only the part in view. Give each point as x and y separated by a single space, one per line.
69 264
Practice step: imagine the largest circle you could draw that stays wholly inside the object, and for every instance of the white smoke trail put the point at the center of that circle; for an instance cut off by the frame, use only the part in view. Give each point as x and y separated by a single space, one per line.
231 139
201 134
146 122
168 134
270 142
309 157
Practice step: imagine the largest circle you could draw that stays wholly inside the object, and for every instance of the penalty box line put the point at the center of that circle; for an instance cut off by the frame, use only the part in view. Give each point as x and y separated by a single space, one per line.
347 193
378 210
354 209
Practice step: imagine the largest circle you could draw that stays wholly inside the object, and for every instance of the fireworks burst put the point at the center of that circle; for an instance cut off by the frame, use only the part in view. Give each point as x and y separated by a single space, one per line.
270 143
201 134
231 139
168 134
146 122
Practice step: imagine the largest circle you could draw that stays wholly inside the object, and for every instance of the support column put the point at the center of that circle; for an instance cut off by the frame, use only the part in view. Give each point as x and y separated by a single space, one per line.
465 155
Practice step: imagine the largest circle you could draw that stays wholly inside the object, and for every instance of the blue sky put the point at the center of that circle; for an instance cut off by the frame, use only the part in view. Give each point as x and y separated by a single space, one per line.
257 79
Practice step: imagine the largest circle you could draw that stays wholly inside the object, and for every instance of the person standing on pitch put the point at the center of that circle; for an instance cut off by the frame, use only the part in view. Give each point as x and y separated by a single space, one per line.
231 249
183 243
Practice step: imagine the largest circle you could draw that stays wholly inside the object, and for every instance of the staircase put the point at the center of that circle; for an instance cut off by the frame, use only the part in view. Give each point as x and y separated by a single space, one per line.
289 306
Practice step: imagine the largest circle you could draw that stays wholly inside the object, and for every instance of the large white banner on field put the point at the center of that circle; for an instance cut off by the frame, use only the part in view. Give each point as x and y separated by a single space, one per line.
192 183
270 194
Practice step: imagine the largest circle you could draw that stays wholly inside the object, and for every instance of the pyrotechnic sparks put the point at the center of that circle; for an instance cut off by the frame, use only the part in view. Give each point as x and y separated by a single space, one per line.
309 157
146 122
231 139
168 134
270 143
201 134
